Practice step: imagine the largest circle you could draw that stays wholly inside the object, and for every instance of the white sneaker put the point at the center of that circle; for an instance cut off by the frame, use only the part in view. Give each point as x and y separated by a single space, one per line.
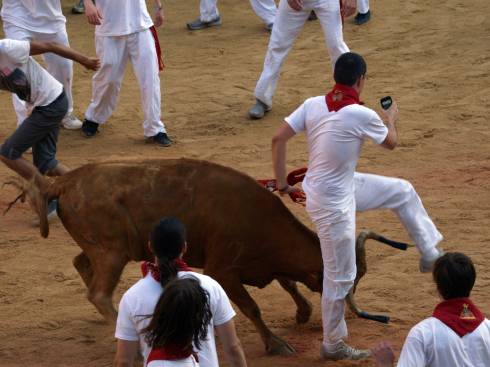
344 351
426 263
71 123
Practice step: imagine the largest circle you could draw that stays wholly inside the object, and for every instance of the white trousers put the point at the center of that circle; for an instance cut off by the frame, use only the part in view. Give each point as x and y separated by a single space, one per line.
286 29
114 53
265 9
337 240
57 66
362 6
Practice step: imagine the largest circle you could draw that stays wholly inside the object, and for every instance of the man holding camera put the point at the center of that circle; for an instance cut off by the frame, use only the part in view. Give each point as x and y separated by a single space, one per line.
336 126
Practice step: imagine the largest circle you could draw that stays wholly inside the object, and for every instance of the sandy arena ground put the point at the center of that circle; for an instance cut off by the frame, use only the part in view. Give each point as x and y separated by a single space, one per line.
433 59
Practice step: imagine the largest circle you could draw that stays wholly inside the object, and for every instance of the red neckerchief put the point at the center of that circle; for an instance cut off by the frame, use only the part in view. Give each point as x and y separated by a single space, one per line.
147 266
171 353
341 96
154 33
460 314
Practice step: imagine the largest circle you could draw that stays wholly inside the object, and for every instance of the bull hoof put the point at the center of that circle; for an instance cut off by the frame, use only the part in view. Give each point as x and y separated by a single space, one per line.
303 314
278 347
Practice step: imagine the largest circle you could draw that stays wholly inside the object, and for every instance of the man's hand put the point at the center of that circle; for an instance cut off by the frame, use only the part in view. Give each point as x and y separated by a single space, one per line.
159 17
383 355
348 8
91 63
391 114
92 14
296 4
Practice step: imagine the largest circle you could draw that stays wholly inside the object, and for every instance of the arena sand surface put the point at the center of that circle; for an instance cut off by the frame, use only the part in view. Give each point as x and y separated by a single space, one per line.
434 60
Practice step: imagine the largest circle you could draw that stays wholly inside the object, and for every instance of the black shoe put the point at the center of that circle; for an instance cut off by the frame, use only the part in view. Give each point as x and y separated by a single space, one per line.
89 128
362 18
161 139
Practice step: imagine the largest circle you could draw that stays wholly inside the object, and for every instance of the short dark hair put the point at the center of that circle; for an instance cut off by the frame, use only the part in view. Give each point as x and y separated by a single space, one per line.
349 68
454 274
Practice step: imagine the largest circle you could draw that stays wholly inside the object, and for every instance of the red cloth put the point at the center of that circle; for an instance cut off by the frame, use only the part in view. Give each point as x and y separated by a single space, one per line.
154 33
147 266
171 353
341 96
460 314
293 178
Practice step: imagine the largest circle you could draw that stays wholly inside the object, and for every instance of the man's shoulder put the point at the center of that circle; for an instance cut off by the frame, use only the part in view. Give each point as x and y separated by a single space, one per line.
206 281
358 110
143 286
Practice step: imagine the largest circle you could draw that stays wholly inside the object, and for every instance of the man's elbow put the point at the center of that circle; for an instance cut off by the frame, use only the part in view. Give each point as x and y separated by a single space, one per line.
234 348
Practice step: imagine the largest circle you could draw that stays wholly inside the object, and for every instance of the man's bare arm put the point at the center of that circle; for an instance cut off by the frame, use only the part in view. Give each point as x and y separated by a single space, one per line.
231 344
279 142
126 353
391 115
38 48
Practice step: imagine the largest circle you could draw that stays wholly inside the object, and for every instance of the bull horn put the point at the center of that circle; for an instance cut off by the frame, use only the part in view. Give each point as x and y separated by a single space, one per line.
362 270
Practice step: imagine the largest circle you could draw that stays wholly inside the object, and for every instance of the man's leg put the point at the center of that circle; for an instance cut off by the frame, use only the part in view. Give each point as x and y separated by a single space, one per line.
362 6
143 57
328 13
265 9
287 25
106 83
62 69
379 192
13 32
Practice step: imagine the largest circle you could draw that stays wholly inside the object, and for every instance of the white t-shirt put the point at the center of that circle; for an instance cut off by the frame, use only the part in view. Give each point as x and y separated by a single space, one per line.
334 143
431 343
43 16
122 17
22 75
142 298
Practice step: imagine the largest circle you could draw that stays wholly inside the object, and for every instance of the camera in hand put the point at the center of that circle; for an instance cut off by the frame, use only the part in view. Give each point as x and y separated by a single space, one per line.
386 102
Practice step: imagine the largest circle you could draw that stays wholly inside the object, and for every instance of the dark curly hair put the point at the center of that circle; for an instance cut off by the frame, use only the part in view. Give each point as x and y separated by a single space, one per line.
181 316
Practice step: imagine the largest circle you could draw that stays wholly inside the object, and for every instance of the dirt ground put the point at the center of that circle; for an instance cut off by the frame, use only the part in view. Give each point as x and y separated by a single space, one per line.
433 59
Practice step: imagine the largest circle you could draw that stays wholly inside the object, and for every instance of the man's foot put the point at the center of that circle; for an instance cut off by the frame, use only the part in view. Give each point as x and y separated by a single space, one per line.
71 123
89 128
161 139
269 27
258 110
426 263
78 9
362 18
312 16
344 351
198 24
52 209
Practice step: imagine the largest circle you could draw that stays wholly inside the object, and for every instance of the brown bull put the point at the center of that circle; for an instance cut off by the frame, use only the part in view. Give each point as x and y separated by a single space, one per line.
238 232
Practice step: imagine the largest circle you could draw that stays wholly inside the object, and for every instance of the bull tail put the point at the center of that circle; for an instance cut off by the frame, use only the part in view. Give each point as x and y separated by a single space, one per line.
36 192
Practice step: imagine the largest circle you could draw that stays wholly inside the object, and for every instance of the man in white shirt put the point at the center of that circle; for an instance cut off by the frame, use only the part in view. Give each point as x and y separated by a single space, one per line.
21 75
290 18
210 17
336 126
124 31
457 334
41 21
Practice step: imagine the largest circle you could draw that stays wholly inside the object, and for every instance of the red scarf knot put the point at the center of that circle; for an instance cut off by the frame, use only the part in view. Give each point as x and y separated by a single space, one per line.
148 267
341 96
460 314
158 49
171 352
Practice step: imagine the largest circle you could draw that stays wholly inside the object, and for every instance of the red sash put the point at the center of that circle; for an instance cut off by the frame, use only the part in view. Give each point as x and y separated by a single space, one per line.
147 266
154 33
171 353
341 96
460 314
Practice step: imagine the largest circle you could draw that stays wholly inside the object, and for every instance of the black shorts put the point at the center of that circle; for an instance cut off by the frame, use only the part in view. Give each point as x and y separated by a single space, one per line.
39 131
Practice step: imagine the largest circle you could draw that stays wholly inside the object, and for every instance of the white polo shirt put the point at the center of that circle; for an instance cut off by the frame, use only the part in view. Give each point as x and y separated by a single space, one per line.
42 16
334 142
22 75
122 17
431 343
141 299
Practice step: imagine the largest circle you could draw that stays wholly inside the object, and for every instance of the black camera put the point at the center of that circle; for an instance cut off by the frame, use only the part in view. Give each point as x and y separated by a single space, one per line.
386 102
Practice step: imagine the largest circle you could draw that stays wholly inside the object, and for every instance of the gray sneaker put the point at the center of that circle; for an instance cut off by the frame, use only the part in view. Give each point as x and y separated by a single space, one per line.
258 110
426 263
78 8
198 24
344 351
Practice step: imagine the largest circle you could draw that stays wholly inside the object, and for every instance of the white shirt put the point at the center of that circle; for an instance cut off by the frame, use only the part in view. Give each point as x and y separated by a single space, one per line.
22 75
43 16
334 142
431 343
122 17
142 298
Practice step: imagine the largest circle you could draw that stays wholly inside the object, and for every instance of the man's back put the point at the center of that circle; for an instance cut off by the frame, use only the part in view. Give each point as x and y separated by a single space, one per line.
433 344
